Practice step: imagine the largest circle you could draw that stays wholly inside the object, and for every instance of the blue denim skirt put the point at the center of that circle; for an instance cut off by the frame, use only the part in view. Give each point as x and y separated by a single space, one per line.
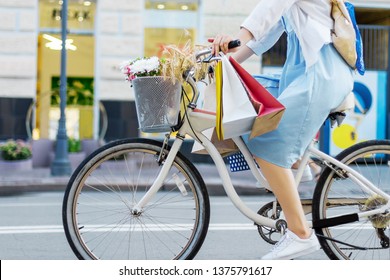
308 95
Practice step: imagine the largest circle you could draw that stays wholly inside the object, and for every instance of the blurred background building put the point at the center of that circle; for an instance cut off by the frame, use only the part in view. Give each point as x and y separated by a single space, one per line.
103 33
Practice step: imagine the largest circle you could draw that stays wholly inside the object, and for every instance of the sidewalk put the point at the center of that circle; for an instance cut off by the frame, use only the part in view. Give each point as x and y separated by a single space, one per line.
40 179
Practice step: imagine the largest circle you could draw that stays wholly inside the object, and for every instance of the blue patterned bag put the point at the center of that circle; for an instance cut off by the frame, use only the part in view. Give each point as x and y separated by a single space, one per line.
237 162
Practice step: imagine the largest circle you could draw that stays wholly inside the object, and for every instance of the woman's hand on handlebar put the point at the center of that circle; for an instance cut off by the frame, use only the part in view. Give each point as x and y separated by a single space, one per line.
224 43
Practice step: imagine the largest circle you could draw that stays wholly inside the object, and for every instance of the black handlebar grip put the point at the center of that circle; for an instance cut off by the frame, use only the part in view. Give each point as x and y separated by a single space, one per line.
234 44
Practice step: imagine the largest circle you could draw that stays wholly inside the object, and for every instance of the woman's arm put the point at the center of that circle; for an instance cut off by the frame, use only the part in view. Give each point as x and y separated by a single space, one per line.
220 42
249 45
243 53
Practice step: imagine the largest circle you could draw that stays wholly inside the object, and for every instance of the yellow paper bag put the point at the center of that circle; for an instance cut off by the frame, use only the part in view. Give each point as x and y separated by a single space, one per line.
219 109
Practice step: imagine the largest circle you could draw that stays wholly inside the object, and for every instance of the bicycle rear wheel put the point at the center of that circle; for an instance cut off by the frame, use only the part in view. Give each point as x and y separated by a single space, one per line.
97 216
336 195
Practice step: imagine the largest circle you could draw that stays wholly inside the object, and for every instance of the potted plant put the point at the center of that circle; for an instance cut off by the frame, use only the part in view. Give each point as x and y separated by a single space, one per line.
15 155
75 152
74 145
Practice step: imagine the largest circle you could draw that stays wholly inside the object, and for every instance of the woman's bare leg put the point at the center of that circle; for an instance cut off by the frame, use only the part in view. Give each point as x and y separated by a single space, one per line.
283 186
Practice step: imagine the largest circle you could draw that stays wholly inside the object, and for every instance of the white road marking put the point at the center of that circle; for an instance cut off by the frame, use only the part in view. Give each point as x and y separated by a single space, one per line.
59 228
153 227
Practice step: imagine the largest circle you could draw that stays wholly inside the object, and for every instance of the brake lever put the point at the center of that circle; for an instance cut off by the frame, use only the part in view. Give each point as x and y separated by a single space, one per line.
211 58
208 59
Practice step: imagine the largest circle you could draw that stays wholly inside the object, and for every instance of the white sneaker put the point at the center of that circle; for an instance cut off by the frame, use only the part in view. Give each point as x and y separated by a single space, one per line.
306 175
290 246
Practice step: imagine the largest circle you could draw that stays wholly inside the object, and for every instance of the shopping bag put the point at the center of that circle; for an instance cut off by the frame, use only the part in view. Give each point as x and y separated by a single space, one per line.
269 109
224 147
234 105
218 99
209 104
237 162
343 33
360 66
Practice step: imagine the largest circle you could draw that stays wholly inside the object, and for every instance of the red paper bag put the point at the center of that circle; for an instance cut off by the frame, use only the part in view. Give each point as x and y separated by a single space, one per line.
270 110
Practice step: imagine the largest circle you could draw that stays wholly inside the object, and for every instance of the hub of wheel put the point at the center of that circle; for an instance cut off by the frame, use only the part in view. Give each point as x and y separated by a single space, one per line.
136 212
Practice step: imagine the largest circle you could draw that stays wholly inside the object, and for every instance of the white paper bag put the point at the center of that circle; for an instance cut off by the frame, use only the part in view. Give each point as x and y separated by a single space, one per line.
238 111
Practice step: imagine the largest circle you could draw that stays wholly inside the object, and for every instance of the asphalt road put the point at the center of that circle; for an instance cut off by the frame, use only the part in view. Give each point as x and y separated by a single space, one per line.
31 229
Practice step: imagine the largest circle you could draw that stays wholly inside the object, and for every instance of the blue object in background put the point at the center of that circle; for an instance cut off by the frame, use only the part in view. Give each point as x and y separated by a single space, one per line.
360 67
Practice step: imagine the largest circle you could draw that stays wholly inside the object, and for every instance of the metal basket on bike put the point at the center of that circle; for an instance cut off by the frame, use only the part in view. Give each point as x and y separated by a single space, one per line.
157 102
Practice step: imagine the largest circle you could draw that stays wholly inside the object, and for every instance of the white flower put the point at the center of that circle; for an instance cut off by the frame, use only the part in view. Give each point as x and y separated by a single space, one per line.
140 67
145 65
123 66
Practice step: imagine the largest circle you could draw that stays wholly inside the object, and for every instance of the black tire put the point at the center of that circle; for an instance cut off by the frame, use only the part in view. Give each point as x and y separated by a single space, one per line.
336 195
97 216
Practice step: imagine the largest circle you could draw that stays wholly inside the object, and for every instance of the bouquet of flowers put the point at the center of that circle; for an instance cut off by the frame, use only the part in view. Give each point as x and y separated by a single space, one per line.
141 67
174 63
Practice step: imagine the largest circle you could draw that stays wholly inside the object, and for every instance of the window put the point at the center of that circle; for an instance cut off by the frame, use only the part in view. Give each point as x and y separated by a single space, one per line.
169 22
81 15
80 68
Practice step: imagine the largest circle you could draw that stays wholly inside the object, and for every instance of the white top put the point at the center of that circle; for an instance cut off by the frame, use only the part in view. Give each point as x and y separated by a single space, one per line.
309 19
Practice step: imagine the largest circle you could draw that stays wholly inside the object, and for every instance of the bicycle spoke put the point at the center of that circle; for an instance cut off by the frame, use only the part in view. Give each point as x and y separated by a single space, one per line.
335 196
101 198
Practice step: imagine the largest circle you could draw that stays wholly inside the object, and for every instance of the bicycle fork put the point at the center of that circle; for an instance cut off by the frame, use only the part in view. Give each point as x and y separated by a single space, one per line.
157 184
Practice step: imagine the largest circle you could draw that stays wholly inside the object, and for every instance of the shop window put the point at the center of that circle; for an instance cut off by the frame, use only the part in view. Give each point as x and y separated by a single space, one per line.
169 22
81 14
80 69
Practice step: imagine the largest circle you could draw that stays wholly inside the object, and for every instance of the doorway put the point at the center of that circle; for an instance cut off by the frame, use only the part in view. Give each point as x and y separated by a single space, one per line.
80 46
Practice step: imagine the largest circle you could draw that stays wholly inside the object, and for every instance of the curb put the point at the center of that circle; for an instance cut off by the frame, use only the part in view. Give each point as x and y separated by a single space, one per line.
39 179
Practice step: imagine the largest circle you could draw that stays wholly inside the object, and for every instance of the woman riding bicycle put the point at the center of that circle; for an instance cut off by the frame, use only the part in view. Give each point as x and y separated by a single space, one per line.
315 79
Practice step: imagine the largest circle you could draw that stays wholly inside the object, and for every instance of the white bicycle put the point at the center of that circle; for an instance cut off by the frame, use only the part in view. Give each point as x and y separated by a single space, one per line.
143 199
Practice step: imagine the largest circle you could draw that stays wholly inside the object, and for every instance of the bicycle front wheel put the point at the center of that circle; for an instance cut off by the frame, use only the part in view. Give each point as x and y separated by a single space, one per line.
336 194
97 210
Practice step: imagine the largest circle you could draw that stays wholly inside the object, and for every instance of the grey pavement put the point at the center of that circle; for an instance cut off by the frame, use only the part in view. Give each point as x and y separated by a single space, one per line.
40 179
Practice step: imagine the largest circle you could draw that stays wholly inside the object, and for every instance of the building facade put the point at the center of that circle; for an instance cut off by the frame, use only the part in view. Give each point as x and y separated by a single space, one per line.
102 34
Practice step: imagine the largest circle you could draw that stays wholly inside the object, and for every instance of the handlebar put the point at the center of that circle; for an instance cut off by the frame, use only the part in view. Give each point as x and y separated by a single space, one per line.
232 44
190 79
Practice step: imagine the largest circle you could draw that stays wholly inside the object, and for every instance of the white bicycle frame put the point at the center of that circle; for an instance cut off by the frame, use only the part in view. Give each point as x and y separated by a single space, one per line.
195 122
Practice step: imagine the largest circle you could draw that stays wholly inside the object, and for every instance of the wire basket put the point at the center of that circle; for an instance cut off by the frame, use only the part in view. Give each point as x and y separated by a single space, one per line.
157 102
